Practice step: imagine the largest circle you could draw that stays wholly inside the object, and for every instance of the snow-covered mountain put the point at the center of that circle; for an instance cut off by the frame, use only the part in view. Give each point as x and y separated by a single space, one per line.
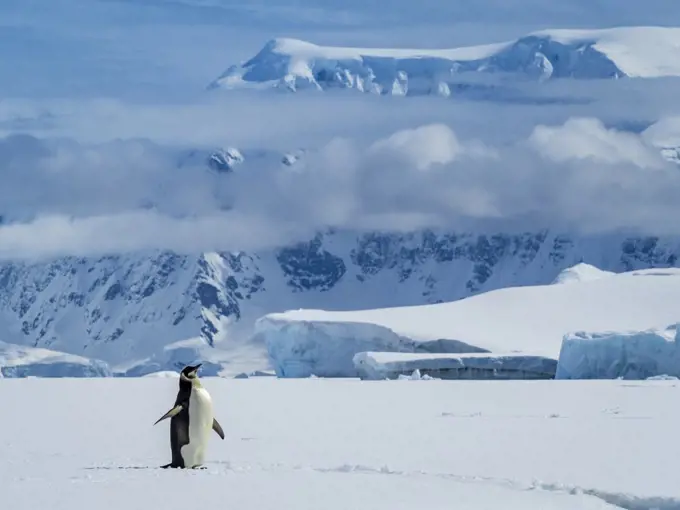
147 312
290 64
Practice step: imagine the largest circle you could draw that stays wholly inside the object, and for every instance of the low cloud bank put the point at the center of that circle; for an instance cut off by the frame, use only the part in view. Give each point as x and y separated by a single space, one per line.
60 197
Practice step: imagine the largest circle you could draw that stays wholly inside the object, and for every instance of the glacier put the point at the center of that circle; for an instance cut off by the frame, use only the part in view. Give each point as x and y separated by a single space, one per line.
391 365
522 321
22 361
620 354
294 65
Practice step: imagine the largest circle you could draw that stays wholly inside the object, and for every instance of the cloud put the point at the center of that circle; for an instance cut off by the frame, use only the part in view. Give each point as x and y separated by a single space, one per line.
282 121
421 147
60 197
58 235
587 138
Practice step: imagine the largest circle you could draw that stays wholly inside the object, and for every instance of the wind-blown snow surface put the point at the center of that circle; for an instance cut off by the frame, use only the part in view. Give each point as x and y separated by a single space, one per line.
345 444
530 320
639 52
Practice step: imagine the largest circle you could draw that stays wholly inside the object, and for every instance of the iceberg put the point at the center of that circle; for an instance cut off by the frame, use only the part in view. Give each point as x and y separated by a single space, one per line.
388 365
626 355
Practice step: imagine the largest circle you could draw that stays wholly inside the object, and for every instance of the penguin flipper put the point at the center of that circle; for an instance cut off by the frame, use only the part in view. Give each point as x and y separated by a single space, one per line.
172 412
218 428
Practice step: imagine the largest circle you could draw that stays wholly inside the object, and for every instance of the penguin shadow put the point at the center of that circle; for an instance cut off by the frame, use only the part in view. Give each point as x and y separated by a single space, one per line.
111 468
167 466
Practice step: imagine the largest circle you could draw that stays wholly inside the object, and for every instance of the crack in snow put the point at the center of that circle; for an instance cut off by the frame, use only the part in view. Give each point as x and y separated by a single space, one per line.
618 499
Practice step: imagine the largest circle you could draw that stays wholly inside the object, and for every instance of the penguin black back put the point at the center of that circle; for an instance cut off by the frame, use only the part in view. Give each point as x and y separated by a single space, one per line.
179 424
179 416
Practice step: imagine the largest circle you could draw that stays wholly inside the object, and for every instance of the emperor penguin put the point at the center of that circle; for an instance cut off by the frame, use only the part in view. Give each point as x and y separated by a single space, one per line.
191 421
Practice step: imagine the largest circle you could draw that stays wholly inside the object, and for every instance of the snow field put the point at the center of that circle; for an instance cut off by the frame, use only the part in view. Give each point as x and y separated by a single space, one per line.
335 444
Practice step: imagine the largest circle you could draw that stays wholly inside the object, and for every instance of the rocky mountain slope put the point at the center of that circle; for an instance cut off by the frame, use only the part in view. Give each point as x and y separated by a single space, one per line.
147 312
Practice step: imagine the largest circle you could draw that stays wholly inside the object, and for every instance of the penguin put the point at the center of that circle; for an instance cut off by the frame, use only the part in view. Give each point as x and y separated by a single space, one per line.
191 421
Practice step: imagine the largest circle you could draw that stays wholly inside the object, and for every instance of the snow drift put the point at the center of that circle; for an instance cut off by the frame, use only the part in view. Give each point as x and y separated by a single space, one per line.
629 355
528 320
290 64
21 361
388 365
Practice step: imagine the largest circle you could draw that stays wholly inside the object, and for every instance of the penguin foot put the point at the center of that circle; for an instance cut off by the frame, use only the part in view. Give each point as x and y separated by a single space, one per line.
171 465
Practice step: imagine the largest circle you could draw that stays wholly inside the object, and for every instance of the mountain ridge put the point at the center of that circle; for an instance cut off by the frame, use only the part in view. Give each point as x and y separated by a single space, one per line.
129 311
295 65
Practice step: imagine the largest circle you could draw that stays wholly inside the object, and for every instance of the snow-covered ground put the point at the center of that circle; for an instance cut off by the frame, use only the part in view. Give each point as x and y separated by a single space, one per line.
530 320
310 444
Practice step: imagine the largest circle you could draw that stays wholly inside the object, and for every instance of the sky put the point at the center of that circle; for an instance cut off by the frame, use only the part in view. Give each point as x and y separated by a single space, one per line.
101 100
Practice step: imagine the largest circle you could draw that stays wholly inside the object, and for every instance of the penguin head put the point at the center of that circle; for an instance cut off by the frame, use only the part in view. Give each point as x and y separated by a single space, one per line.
190 373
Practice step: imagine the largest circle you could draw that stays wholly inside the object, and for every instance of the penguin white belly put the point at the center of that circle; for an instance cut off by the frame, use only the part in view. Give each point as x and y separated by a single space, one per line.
200 427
